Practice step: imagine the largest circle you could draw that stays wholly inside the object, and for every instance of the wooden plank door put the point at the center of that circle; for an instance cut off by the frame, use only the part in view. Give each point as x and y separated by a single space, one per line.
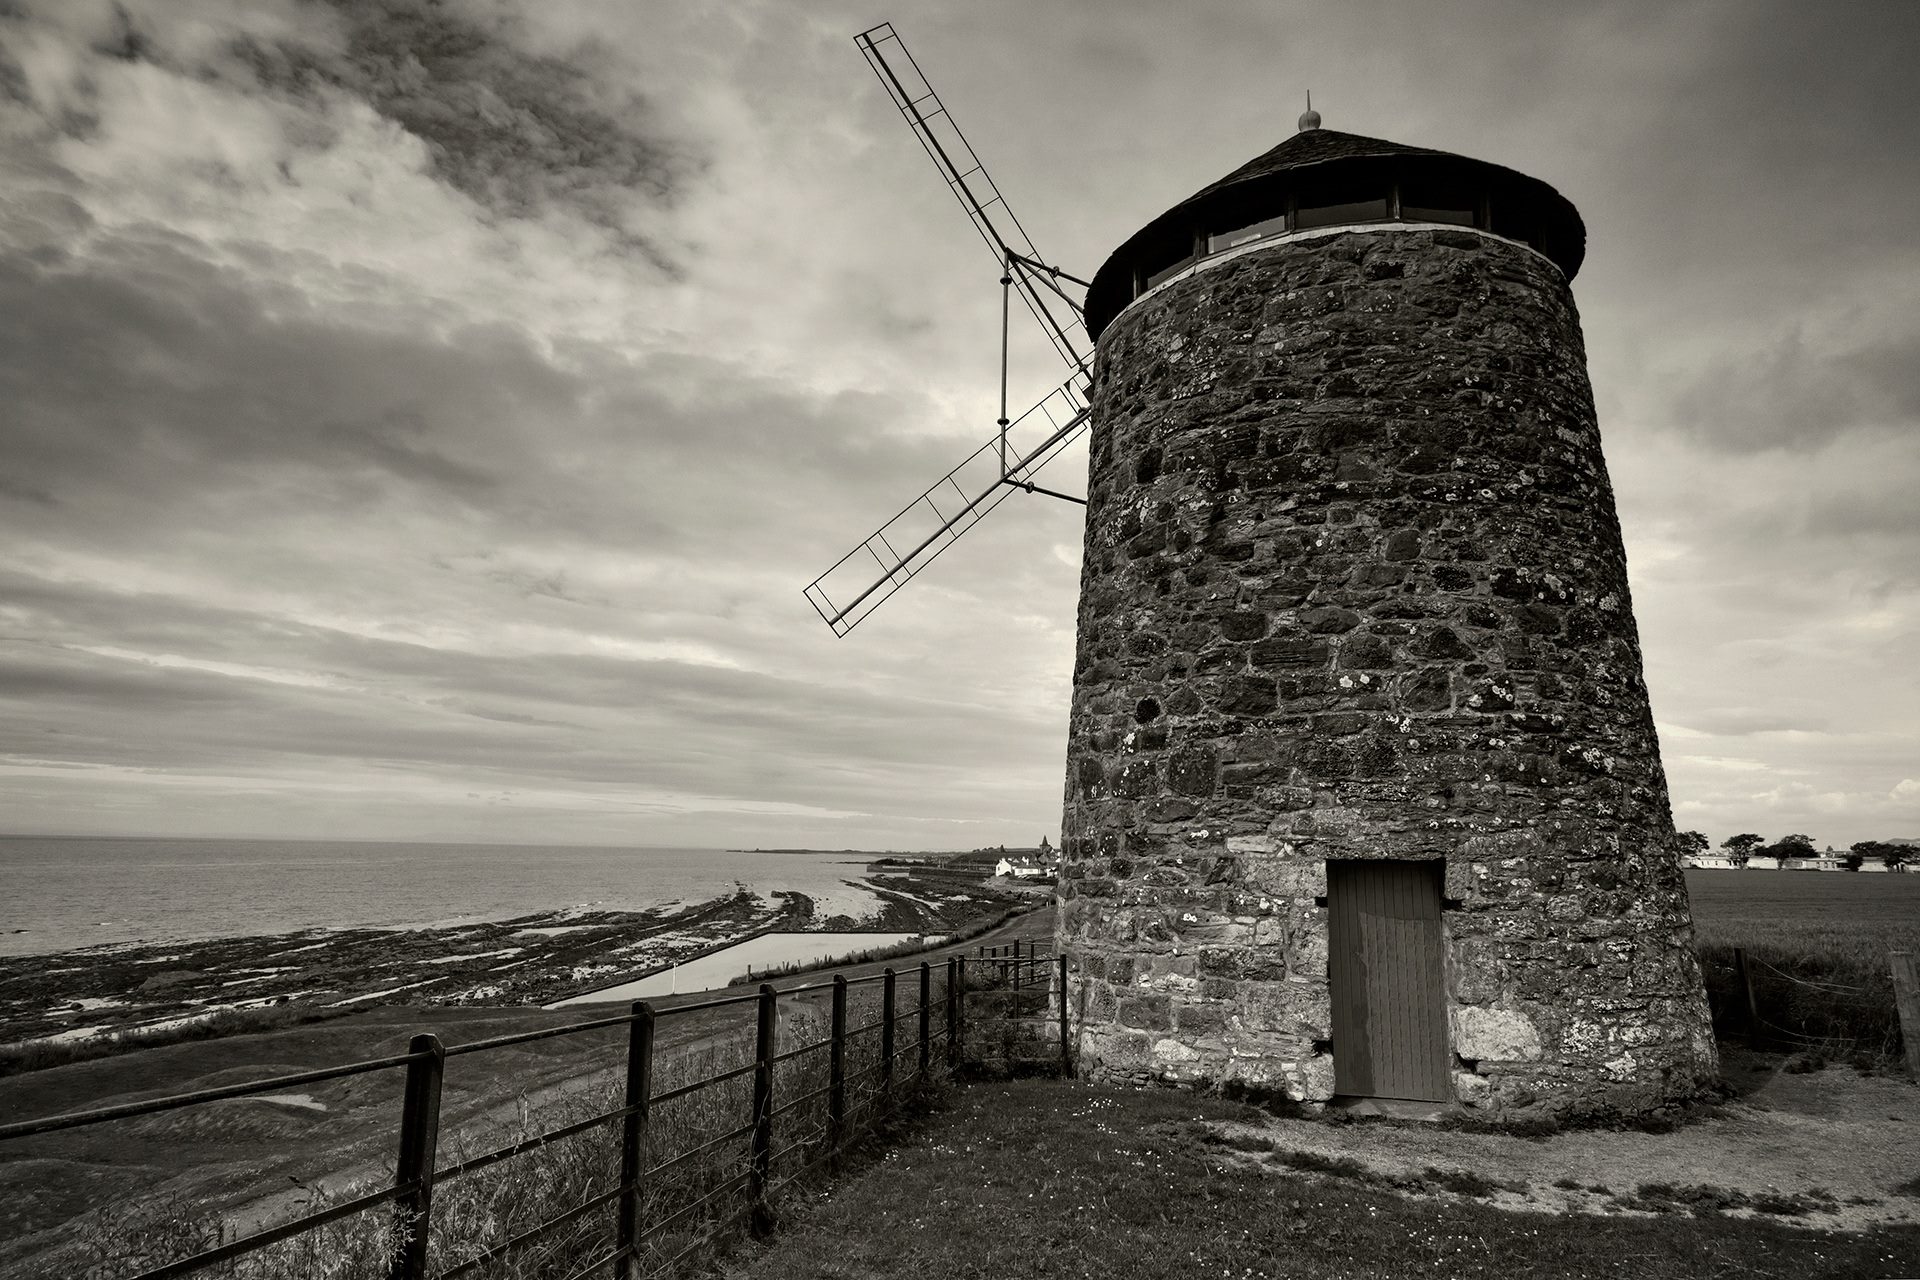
1384 964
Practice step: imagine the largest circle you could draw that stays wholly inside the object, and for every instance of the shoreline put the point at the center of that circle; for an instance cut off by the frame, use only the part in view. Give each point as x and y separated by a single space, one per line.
68 1005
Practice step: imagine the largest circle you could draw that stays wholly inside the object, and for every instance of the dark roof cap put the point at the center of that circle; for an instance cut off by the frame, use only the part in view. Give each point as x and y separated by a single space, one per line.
1312 155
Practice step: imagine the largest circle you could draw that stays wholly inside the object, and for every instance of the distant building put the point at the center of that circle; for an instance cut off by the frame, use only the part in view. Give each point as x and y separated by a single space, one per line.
1024 867
1712 862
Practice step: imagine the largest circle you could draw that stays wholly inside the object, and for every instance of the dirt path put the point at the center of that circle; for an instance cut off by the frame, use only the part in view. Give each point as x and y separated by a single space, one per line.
1830 1147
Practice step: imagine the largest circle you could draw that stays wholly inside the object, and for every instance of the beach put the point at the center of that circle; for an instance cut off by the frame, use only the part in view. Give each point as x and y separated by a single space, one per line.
62 1001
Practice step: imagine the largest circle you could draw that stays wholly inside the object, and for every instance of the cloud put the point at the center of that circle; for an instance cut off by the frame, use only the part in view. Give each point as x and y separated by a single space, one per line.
410 402
1810 386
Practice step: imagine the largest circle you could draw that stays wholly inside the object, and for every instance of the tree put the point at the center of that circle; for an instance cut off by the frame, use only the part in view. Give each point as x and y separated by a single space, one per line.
1740 848
1692 842
1888 853
1793 846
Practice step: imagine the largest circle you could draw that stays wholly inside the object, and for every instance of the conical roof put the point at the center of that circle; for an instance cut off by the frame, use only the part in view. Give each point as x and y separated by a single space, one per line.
1323 159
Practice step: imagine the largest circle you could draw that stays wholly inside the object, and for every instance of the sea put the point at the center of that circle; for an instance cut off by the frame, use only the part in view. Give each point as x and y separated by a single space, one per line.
65 893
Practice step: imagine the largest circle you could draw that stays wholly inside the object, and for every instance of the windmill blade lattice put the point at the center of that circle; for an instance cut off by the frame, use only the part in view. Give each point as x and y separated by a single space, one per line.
860 581
979 195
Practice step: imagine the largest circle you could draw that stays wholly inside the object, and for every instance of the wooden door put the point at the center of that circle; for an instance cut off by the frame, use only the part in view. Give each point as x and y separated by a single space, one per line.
1384 964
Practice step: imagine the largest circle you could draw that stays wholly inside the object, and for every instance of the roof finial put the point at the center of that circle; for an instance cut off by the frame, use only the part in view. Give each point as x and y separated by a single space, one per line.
1310 119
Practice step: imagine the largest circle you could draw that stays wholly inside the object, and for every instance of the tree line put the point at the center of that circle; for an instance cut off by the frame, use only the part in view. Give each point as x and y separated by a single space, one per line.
1746 846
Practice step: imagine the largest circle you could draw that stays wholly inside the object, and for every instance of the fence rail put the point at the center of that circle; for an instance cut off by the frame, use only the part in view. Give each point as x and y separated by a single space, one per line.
827 1092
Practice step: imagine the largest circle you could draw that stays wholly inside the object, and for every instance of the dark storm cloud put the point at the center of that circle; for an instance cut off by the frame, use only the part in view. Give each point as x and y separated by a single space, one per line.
519 131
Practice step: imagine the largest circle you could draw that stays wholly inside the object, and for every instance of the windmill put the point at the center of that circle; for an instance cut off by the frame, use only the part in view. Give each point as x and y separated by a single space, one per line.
1008 462
1363 794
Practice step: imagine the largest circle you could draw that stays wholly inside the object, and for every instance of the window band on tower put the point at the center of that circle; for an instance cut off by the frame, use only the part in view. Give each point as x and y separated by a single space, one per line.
1417 197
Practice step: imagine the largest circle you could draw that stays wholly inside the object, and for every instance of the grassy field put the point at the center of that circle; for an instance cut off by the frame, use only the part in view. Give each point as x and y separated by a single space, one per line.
1816 945
1038 1178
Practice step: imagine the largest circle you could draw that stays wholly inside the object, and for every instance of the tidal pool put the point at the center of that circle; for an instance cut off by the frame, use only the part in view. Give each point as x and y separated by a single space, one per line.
718 968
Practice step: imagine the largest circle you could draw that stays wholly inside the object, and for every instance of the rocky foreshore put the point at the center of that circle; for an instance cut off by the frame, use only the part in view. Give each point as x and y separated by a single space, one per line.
152 989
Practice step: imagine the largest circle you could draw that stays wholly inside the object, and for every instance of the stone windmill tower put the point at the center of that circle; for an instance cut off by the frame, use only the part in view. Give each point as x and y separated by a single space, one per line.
1363 795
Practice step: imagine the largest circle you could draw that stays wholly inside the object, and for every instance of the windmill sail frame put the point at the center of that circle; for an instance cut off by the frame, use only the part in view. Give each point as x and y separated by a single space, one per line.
926 529
1016 453
1013 249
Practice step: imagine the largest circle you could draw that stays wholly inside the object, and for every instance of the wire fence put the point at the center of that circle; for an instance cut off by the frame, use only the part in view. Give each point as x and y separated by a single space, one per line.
633 1171
1770 1006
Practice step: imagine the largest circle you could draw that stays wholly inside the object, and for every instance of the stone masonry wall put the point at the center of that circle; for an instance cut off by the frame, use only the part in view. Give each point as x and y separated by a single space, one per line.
1354 588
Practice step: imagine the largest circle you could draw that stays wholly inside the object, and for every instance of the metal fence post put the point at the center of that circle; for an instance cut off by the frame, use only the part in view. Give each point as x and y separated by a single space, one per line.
926 1015
762 1105
953 1011
837 1074
633 1138
1066 1060
886 1041
419 1139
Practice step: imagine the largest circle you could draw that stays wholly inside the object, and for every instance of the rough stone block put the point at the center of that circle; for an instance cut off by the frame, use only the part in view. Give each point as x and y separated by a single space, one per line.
1310 1079
1498 1035
1146 1012
1287 876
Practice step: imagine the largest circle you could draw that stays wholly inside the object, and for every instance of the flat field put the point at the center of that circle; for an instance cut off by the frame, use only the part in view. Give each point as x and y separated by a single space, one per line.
1816 945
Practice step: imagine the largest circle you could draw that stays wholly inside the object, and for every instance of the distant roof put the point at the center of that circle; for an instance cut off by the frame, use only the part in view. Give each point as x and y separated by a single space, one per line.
1316 152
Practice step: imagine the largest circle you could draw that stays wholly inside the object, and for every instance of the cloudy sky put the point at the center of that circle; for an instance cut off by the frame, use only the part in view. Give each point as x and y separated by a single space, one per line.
419 420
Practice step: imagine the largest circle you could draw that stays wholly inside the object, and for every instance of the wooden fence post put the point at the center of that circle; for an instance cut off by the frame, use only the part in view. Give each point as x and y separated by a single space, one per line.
953 1010
926 1016
1066 1060
1746 991
886 1041
762 1107
1906 1001
837 1074
1016 964
419 1140
633 1138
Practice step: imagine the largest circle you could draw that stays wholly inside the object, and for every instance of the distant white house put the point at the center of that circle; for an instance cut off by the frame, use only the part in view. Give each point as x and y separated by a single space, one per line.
1818 862
1712 862
1023 867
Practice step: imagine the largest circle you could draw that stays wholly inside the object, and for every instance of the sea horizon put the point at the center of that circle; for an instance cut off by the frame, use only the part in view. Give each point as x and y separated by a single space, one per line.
69 893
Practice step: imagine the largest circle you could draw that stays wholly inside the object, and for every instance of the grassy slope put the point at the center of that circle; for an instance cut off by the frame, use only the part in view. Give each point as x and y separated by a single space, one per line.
1038 1179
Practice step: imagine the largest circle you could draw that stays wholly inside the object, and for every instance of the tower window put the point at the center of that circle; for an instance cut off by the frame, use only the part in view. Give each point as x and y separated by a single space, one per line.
1428 197
1273 226
1167 272
1331 215
1515 223
1456 217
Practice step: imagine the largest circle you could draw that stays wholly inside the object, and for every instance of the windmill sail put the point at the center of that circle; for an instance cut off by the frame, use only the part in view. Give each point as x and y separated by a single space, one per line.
974 187
889 558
